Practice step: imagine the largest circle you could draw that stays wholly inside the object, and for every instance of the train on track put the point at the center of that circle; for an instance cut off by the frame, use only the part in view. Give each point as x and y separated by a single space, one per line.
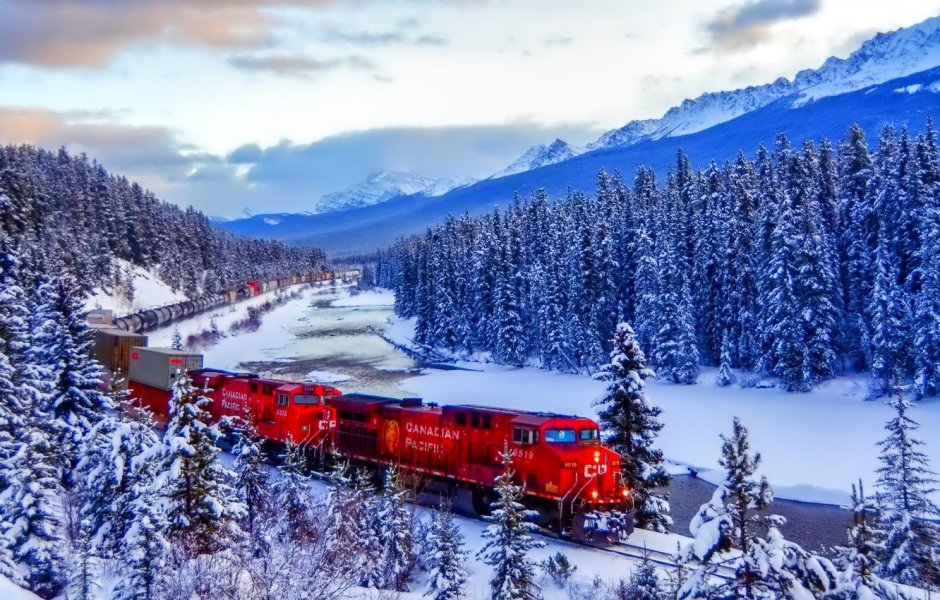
569 476
152 318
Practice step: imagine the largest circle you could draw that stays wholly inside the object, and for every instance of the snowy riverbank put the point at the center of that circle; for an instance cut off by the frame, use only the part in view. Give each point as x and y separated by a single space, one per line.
814 445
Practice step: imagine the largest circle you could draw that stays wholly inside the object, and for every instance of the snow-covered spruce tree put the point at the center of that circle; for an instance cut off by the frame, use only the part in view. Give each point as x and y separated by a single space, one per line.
856 214
890 317
191 482
348 538
75 402
858 561
251 479
177 342
926 348
146 549
83 569
769 565
394 525
631 425
114 467
32 509
446 557
290 491
728 520
725 375
509 540
644 582
905 484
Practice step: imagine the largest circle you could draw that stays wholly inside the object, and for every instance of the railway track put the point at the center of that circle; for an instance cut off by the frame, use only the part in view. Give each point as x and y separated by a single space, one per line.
638 552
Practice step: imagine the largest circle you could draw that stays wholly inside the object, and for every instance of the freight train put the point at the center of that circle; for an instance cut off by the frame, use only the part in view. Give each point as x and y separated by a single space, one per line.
152 318
569 476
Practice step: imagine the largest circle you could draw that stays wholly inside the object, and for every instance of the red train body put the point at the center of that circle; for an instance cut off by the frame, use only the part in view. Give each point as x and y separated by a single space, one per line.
558 458
279 409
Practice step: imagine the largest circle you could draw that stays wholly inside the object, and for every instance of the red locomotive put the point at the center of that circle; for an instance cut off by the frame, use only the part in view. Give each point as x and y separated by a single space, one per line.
569 476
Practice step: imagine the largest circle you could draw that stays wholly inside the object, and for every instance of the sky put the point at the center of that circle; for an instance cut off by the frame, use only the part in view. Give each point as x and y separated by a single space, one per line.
255 106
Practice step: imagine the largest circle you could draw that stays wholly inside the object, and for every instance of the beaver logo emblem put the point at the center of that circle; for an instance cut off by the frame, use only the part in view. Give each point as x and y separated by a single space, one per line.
392 436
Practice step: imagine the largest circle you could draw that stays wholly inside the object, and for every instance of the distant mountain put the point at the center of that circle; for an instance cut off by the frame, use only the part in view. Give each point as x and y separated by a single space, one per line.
539 156
892 78
885 56
383 186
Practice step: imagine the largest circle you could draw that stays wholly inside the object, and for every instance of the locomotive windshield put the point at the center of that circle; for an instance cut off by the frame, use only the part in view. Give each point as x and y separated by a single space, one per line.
559 436
306 399
590 435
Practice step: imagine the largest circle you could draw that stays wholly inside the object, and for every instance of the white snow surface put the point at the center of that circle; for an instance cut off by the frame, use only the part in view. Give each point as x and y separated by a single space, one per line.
325 377
383 186
539 156
368 298
10 591
246 346
882 58
149 291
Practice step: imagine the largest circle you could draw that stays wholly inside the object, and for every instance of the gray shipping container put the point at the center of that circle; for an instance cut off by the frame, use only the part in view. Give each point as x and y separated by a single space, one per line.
113 346
159 367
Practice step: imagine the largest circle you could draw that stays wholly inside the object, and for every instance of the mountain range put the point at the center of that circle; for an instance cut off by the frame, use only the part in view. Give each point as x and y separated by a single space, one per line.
893 77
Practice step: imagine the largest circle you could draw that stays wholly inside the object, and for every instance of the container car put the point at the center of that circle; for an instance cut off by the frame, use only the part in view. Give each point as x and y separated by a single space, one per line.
112 346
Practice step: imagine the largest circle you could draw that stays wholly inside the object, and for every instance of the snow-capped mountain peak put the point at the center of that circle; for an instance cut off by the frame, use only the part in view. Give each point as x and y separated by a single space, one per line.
882 58
383 186
539 156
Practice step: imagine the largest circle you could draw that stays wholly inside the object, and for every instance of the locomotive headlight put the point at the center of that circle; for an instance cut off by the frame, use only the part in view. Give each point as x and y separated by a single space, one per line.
626 492
597 456
594 494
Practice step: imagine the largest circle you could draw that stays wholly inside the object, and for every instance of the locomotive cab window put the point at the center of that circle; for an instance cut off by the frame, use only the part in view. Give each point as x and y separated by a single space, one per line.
306 399
521 435
559 436
282 399
460 418
254 388
590 435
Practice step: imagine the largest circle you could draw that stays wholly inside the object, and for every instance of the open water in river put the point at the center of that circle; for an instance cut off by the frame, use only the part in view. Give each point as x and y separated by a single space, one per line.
342 340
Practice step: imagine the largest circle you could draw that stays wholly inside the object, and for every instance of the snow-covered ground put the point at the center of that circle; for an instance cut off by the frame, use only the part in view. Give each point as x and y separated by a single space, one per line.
149 291
9 591
591 563
235 348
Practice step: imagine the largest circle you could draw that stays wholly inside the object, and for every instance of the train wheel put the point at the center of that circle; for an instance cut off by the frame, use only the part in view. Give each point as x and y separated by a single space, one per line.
483 501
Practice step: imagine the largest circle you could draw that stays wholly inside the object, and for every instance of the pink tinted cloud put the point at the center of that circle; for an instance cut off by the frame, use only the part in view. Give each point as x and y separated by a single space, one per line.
89 33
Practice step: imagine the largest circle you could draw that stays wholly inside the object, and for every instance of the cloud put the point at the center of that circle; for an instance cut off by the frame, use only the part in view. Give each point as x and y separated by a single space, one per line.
286 177
89 33
296 65
383 38
558 40
747 25
124 148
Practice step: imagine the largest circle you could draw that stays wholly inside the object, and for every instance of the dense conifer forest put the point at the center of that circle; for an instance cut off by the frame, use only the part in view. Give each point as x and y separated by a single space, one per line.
799 263
79 218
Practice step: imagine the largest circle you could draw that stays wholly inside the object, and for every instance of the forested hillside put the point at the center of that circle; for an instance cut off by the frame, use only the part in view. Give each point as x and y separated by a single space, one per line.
79 218
799 263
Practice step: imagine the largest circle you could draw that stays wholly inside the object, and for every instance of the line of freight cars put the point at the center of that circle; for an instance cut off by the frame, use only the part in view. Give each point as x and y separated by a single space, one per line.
571 478
152 318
